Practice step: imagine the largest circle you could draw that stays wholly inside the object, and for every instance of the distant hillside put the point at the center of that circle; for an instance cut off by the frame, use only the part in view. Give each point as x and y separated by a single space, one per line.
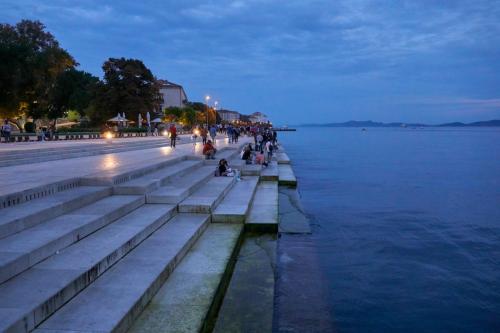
369 123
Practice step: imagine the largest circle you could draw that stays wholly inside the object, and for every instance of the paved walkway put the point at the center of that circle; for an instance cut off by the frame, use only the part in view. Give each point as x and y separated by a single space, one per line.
39 145
23 177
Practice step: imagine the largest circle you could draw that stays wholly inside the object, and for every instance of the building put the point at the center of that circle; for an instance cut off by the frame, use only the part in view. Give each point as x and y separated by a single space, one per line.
258 117
228 116
173 95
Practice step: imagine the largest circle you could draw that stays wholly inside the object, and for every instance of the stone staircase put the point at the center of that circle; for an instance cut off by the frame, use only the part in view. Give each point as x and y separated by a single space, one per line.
19 157
92 257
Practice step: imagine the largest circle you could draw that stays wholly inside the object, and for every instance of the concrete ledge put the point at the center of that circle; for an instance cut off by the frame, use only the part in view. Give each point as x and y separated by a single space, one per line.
235 206
270 173
263 215
286 175
206 198
179 189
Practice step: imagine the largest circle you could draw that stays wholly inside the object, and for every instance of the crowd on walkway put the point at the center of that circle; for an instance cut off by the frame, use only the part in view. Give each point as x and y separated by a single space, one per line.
261 152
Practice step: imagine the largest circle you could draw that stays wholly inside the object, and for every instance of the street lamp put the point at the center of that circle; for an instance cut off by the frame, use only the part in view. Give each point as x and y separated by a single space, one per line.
207 98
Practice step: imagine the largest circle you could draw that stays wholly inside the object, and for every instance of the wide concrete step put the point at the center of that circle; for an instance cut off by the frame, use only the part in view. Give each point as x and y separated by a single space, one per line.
234 208
26 248
178 189
245 169
74 153
194 290
153 181
208 196
281 158
263 215
56 148
17 218
286 175
113 301
121 174
270 173
32 296
227 154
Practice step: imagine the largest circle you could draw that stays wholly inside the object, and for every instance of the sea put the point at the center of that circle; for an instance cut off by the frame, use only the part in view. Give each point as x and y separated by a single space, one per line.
405 229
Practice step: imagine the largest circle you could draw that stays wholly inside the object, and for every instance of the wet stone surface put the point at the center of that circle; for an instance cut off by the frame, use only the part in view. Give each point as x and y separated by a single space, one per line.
248 303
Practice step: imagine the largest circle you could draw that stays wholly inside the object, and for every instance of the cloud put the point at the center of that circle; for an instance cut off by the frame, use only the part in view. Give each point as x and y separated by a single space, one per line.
352 49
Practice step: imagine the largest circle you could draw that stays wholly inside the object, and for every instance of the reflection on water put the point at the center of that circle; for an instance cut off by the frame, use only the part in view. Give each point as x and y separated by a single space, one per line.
406 225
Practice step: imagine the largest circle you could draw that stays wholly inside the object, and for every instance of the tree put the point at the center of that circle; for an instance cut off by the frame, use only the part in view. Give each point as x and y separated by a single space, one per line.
30 62
73 90
130 87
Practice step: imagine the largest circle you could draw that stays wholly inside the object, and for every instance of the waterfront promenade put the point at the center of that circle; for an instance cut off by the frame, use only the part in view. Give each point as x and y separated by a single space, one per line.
87 242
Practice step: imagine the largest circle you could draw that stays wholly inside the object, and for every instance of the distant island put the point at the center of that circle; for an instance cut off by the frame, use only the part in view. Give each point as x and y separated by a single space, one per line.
369 123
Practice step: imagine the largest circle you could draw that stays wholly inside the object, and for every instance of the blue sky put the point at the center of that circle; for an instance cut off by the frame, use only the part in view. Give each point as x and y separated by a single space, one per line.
297 60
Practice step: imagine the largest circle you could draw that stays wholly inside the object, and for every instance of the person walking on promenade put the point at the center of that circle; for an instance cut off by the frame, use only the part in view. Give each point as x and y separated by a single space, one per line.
213 133
275 137
258 145
230 133
6 129
209 150
269 151
204 134
173 135
236 134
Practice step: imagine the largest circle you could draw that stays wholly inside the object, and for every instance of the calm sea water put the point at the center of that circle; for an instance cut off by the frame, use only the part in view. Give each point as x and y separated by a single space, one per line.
406 225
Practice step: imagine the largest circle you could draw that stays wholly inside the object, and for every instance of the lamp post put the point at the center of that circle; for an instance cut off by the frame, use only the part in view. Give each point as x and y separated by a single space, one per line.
207 98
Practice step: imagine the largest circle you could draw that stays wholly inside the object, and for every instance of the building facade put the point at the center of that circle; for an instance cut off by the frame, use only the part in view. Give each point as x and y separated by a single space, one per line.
228 116
173 95
258 117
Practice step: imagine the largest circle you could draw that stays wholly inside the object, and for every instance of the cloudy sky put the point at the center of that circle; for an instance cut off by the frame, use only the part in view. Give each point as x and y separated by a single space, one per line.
298 60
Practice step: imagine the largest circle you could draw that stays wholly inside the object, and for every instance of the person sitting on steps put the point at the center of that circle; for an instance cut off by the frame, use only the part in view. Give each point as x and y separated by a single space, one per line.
223 169
209 150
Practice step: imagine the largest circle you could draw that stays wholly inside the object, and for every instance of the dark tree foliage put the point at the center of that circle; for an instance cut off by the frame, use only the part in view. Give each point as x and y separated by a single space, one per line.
73 90
30 62
130 87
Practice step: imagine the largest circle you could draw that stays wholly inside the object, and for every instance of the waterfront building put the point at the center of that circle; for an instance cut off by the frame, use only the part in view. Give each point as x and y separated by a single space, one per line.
173 95
258 117
229 116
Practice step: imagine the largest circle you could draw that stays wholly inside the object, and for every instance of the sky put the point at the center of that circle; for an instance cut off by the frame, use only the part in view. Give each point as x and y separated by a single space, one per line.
297 61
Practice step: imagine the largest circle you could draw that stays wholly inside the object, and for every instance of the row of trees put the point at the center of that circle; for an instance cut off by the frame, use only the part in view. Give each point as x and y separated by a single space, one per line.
39 79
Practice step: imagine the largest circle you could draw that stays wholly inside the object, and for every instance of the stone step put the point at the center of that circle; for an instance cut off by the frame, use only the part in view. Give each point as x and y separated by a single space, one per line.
286 175
228 153
17 218
248 304
113 301
245 169
179 189
263 215
60 277
118 175
270 173
74 153
281 158
208 196
193 292
154 180
234 208
55 148
20 251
